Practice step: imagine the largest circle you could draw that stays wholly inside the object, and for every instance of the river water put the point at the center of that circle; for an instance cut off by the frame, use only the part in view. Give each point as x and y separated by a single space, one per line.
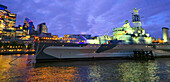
19 68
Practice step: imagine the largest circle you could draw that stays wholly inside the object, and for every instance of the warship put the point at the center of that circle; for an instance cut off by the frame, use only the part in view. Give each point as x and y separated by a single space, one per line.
127 42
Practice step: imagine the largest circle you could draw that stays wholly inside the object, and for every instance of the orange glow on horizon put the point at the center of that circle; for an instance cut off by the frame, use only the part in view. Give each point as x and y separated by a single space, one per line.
158 41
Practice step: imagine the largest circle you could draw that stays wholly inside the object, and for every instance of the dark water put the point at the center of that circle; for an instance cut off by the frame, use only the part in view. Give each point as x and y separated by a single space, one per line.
22 69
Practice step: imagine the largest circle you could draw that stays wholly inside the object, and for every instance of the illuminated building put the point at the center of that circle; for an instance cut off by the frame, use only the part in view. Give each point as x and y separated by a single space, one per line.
19 33
28 29
135 34
7 19
55 37
19 27
86 38
157 41
79 38
165 34
31 28
28 26
42 28
45 35
26 21
7 22
99 40
8 34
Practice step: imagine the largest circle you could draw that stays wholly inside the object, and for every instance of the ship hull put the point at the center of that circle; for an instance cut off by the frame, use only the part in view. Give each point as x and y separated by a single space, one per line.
55 51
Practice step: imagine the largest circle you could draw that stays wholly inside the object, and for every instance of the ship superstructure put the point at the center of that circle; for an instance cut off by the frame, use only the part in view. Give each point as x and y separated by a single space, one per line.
132 35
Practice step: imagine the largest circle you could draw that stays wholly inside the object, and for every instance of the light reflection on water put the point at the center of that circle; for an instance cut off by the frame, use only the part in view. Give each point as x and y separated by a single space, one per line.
22 69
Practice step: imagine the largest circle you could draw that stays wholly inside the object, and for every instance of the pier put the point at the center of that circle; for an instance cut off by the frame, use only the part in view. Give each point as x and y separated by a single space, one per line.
143 55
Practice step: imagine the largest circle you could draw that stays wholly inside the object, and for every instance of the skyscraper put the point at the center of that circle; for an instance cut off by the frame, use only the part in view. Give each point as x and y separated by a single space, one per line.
28 26
31 28
42 28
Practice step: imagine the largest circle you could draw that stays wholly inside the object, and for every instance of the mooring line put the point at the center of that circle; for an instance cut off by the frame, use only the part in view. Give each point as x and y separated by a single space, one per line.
14 59
37 53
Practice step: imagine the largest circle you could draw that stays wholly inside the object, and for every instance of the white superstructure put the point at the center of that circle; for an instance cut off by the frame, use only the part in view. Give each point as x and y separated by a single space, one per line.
135 34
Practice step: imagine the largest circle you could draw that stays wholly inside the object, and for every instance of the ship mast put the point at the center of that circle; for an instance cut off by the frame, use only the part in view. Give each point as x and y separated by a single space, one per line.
136 18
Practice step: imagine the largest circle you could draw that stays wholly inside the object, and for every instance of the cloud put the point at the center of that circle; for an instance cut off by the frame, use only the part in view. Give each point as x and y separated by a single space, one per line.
90 16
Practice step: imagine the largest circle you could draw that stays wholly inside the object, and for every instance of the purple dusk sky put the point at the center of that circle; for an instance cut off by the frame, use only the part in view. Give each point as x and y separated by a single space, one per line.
94 17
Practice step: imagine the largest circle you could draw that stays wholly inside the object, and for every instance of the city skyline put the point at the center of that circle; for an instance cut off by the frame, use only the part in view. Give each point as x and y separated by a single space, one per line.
76 17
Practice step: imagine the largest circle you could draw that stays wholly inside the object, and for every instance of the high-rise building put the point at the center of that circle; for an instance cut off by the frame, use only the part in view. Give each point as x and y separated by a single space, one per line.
19 32
7 19
7 22
31 28
42 28
28 26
